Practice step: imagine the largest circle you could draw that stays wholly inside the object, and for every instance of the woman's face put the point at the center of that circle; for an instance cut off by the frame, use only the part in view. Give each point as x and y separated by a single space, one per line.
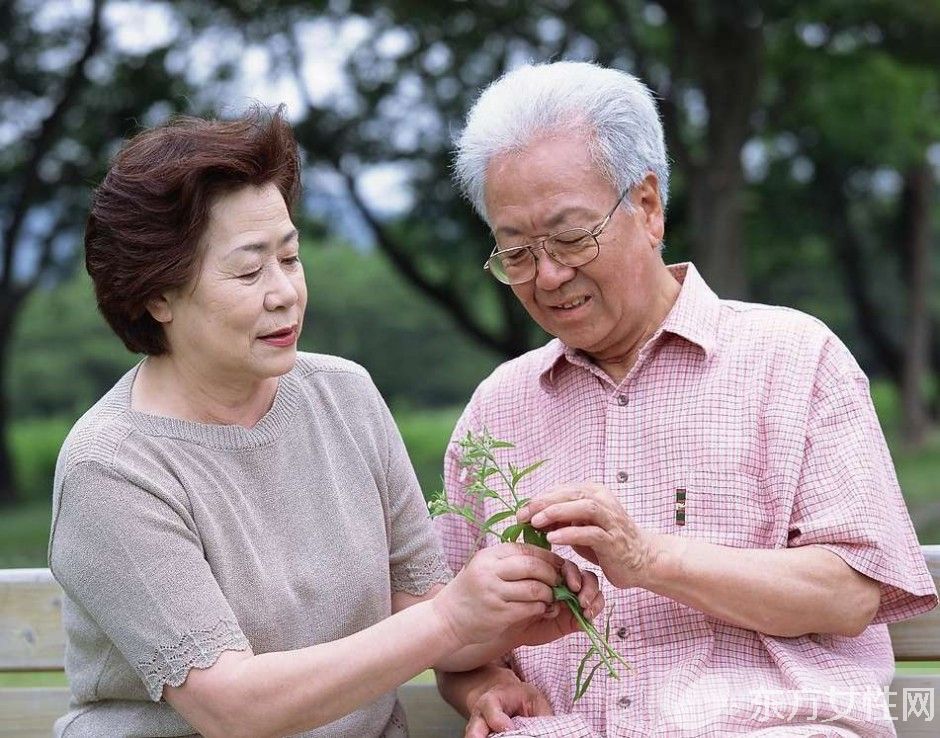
240 318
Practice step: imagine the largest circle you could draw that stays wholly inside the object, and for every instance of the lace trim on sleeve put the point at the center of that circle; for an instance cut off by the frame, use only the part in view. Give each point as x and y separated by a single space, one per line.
197 649
416 578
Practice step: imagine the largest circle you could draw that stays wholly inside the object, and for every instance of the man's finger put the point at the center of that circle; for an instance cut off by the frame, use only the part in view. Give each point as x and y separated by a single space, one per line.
561 493
540 706
493 714
572 575
581 512
477 727
588 536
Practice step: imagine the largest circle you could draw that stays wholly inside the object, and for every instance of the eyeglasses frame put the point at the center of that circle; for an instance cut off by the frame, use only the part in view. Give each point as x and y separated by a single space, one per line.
538 244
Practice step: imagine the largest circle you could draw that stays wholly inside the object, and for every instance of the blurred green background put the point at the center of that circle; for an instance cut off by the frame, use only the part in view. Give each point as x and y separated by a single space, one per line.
805 139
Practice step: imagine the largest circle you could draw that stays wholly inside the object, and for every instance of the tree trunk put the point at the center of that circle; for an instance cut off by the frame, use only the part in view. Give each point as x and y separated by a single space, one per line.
719 51
715 227
915 213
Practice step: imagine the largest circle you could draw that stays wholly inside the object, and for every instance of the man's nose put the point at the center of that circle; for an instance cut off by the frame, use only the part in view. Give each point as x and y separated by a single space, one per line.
549 274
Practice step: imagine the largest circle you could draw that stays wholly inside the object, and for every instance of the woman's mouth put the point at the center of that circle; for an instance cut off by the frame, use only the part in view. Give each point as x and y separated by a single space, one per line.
281 338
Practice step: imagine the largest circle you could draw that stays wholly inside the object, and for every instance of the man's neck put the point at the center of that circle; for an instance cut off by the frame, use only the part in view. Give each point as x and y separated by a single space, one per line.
168 388
618 362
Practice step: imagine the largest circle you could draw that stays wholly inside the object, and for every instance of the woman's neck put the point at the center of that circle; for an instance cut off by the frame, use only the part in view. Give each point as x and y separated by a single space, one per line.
169 388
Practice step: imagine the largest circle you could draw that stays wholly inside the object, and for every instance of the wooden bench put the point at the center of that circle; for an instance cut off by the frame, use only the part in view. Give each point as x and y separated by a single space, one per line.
32 639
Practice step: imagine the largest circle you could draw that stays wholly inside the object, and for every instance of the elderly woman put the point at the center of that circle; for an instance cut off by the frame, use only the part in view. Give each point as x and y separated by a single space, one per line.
238 530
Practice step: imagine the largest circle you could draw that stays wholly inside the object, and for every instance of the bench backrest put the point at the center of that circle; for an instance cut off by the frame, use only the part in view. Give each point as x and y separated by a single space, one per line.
32 639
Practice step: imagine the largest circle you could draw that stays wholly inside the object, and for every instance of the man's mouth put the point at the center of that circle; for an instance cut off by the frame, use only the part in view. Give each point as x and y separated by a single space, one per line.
572 304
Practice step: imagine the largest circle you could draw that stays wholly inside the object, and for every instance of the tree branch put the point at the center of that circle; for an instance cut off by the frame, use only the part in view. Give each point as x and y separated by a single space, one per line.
44 141
440 294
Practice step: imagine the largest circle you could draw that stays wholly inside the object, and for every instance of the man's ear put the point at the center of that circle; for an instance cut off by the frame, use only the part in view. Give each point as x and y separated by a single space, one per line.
646 199
159 309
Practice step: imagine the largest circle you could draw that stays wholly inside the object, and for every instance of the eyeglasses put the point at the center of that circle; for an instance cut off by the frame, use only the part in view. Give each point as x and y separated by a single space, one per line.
573 247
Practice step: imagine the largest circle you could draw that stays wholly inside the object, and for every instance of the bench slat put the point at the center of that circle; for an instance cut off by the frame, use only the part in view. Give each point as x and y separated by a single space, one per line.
918 639
32 639
31 634
30 713
913 723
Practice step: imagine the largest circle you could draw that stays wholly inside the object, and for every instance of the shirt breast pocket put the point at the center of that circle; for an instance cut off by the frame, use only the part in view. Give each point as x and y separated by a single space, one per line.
728 507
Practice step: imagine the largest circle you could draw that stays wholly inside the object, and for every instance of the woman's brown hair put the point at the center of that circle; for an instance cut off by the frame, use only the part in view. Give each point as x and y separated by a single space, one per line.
150 212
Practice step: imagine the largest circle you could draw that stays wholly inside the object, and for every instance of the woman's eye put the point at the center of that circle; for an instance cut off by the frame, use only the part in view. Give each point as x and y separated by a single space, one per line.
250 275
295 259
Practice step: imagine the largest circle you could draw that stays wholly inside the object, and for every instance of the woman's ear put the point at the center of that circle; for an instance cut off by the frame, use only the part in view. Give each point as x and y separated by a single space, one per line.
159 309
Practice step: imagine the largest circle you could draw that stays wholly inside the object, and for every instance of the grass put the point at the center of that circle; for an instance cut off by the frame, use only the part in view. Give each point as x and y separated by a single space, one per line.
24 532
426 433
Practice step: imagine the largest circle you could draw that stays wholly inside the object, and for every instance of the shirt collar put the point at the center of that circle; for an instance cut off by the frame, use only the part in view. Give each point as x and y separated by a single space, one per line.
694 317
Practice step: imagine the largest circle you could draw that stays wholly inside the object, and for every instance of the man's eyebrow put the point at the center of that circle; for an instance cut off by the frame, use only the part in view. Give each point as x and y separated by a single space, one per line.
555 220
260 246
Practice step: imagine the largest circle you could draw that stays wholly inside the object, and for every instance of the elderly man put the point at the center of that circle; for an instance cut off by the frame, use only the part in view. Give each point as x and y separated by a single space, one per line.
719 462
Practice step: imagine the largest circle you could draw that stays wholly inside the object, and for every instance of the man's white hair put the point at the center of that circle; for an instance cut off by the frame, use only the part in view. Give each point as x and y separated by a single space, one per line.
614 109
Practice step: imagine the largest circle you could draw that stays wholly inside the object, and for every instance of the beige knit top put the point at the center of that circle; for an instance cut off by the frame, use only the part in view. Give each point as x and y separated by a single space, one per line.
175 541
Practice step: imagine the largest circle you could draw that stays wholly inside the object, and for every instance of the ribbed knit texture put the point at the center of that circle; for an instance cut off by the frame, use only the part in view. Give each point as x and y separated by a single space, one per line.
175 541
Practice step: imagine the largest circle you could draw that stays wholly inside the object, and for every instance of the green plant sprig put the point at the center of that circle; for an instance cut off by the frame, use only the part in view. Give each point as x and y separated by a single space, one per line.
478 457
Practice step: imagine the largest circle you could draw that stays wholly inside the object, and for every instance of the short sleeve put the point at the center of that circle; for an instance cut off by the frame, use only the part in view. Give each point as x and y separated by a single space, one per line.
458 538
848 499
416 562
130 556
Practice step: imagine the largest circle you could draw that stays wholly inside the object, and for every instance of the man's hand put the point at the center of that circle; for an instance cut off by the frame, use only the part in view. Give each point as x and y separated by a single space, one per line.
494 709
592 521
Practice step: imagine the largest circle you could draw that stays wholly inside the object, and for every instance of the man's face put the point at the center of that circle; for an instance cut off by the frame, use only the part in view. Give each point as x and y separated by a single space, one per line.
553 184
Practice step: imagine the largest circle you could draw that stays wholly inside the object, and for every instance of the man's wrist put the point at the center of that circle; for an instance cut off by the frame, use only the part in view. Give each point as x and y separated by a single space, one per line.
664 565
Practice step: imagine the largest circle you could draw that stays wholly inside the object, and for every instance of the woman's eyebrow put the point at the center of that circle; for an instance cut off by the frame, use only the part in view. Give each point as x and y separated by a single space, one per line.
261 246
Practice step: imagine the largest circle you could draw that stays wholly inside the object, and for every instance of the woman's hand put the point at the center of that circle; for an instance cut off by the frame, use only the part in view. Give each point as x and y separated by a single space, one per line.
500 587
559 621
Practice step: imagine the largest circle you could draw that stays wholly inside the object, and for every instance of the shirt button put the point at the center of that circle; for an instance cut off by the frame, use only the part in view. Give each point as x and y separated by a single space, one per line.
622 399
622 476
624 702
622 633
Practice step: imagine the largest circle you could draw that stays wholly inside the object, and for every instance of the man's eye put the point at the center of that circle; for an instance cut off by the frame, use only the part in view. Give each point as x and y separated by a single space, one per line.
512 259
570 239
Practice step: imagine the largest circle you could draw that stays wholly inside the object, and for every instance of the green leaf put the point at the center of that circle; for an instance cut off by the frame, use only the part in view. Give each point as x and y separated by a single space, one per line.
518 474
512 533
535 537
498 518
501 444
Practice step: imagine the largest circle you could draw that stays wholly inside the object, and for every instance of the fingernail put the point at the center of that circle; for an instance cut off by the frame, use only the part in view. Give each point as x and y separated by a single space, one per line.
523 514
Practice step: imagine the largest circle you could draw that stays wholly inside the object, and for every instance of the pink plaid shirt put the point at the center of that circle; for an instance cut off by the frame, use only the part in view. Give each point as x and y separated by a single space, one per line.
764 418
